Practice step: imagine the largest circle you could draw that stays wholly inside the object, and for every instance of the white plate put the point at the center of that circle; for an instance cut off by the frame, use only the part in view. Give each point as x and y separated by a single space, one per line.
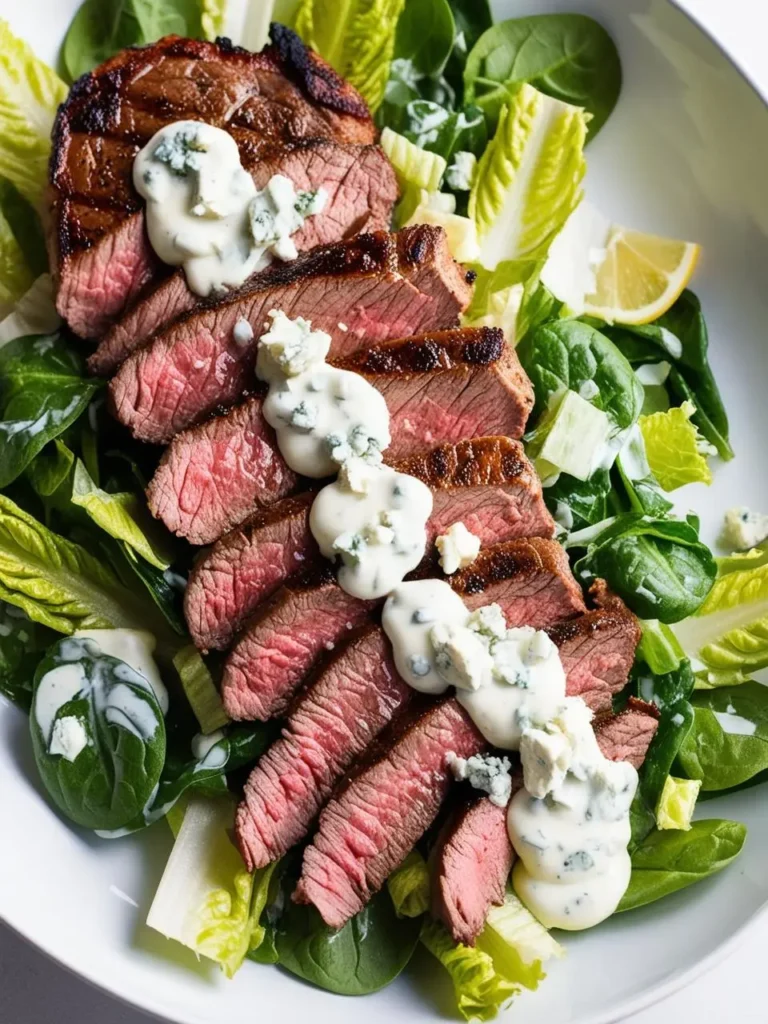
684 154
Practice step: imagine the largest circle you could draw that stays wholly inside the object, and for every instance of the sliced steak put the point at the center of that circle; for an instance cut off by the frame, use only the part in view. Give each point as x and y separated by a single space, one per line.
627 735
214 475
370 825
487 482
447 386
100 252
361 189
355 695
377 286
307 616
530 579
597 649
470 868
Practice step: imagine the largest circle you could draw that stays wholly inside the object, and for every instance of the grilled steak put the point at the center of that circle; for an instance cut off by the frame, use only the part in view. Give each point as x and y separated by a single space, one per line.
100 251
470 867
627 736
529 578
378 286
474 856
488 483
361 189
353 697
597 649
370 825
214 475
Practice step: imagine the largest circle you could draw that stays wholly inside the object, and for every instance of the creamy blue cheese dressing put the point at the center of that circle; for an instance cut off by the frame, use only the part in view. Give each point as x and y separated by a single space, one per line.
204 212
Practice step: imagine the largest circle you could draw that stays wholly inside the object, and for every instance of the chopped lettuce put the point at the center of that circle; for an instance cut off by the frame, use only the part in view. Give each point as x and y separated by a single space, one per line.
727 639
508 956
528 181
123 516
675 450
357 37
200 689
460 231
572 437
413 165
677 803
409 886
206 899
34 312
30 93
15 276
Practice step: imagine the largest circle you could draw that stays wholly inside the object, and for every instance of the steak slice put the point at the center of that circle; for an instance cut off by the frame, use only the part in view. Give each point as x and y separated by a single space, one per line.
447 386
378 286
214 475
487 482
474 856
627 736
355 695
530 579
361 189
370 825
100 252
597 649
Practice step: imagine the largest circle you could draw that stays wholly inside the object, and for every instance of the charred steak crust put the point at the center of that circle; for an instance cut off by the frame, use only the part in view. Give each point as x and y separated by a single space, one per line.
113 111
481 461
426 353
373 282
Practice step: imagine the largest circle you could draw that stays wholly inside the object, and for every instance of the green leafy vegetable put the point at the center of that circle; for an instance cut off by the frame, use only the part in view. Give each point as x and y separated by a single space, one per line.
728 637
728 741
680 337
441 131
363 956
472 18
659 647
43 391
674 448
60 584
425 34
103 27
511 297
677 803
576 504
568 56
51 468
27 228
357 37
22 643
528 181
641 487
15 276
670 860
408 886
30 93
203 697
33 314
98 735
123 516
659 567
571 438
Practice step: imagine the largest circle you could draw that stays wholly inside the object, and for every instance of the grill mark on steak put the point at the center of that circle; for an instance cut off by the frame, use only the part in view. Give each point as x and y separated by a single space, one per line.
214 475
530 579
353 697
513 507
277 95
369 283
372 823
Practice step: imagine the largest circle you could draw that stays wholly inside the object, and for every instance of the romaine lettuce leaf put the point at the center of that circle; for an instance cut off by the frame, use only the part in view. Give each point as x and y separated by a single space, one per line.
677 803
415 167
200 689
30 93
33 314
460 231
676 451
528 180
15 276
357 37
409 886
511 297
727 639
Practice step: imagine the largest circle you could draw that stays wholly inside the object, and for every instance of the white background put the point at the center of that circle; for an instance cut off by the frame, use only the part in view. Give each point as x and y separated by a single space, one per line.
33 990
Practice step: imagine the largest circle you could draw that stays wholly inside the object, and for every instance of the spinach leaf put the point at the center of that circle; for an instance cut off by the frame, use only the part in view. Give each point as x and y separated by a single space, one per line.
660 649
728 742
425 34
50 469
563 354
672 859
42 391
365 955
576 504
102 27
658 566
680 338
442 131
166 588
644 494
472 18
568 56
22 643
98 735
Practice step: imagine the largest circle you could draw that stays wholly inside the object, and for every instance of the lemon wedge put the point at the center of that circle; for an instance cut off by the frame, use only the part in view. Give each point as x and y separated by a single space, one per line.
640 276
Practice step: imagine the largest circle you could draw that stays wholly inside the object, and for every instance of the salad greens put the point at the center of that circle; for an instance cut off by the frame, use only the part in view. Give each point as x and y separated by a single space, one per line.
22 644
568 56
675 451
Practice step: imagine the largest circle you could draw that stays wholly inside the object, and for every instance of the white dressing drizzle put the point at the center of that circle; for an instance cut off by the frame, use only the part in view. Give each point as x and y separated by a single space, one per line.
569 824
332 421
204 212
